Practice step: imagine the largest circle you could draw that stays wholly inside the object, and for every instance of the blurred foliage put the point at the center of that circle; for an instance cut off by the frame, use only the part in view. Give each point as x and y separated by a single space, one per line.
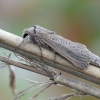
77 20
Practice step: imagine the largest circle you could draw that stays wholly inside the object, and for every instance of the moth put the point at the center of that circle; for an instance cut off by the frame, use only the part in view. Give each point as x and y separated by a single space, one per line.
76 53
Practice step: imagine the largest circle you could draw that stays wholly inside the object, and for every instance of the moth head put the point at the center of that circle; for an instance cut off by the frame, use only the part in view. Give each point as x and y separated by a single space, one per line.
42 30
28 31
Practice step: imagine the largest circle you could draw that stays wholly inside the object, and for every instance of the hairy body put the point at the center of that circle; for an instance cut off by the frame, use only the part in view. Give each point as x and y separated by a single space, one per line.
76 53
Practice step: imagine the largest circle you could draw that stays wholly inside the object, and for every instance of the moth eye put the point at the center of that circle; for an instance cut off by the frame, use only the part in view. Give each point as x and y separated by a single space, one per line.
25 34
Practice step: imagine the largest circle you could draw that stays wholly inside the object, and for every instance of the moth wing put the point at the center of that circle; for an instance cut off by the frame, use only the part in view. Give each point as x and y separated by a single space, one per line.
76 53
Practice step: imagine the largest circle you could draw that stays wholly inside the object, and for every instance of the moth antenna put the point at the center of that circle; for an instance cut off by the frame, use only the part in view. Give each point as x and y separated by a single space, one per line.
34 29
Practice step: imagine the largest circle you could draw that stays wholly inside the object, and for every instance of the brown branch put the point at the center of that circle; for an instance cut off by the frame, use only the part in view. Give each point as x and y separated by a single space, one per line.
10 41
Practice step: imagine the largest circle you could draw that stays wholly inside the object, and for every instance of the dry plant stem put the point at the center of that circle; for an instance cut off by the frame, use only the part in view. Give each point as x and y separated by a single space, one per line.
41 91
10 41
31 88
67 96
59 79
21 65
77 85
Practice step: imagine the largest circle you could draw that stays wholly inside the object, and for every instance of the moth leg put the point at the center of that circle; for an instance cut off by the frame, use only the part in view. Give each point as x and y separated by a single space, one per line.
60 73
41 51
54 54
39 44
24 41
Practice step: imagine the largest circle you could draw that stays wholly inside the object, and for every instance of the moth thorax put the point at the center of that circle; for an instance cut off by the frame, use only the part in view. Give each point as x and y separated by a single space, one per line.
28 31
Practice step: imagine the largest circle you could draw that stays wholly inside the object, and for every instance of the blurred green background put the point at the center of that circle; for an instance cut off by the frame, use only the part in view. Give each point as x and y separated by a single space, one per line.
77 20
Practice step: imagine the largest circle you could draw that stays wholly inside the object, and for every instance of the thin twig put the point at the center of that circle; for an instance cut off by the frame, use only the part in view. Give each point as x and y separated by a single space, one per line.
21 65
33 87
40 91
67 96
